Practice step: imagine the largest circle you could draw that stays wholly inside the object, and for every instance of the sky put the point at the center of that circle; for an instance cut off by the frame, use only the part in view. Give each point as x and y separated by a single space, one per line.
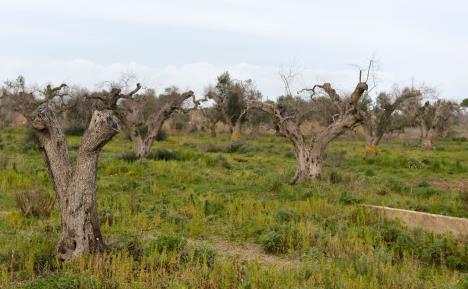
188 43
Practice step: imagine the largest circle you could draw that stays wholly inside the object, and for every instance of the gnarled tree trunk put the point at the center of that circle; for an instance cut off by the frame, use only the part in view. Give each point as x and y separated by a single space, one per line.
426 137
309 164
76 188
372 146
310 157
236 129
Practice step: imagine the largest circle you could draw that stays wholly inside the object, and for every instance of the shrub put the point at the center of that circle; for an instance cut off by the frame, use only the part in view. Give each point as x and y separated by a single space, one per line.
348 199
199 254
162 135
287 215
335 177
219 160
168 243
128 157
35 203
370 173
164 155
426 192
213 148
280 239
64 281
213 207
396 186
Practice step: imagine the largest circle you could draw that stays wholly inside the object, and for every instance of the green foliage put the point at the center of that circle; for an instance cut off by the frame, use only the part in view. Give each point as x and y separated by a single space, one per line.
64 281
280 239
182 223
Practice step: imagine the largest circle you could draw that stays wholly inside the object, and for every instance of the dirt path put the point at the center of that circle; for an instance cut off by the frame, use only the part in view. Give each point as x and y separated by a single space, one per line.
452 185
251 252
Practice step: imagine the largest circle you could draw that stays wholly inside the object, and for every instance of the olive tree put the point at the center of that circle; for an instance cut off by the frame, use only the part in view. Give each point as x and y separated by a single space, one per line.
433 118
310 149
143 115
230 98
75 185
380 117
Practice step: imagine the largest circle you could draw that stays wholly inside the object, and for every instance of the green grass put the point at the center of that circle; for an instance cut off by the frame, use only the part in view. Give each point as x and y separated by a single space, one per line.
159 216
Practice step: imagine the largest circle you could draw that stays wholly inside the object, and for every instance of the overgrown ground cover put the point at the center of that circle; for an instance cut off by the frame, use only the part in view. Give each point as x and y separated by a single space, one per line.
161 215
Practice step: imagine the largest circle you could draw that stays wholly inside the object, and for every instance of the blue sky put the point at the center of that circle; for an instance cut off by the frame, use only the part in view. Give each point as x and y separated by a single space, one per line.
187 43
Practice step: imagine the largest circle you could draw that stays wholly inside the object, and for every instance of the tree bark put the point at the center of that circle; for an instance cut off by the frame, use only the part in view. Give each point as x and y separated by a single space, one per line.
80 231
309 164
237 127
372 146
426 137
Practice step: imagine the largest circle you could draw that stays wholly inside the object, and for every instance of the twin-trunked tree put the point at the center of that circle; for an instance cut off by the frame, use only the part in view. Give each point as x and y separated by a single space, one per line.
310 150
143 116
76 186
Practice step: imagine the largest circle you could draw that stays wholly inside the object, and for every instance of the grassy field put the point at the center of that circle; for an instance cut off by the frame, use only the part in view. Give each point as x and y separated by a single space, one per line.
198 215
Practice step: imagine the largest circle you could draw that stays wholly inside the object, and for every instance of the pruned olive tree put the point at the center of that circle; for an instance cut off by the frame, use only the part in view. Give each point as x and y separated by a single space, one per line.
230 98
380 117
211 117
75 186
433 119
310 150
143 115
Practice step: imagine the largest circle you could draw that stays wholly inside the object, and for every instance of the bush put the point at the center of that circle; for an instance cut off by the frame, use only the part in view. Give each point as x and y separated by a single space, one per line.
63 281
164 155
199 254
162 135
168 243
219 160
213 207
287 215
129 157
280 239
348 199
35 203
335 177
396 186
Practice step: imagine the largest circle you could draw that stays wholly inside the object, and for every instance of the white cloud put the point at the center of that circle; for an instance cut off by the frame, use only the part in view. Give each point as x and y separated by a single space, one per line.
195 76
421 39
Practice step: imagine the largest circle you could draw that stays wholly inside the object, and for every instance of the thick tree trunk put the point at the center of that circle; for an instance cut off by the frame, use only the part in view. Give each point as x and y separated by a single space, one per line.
309 164
372 146
426 142
76 191
426 137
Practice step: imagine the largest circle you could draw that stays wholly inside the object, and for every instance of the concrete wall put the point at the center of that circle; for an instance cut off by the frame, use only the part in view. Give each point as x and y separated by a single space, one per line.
438 224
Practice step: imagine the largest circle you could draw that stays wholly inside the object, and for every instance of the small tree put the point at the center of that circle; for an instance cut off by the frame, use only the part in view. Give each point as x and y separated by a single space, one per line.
380 117
310 154
211 117
75 186
230 98
143 115
432 118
